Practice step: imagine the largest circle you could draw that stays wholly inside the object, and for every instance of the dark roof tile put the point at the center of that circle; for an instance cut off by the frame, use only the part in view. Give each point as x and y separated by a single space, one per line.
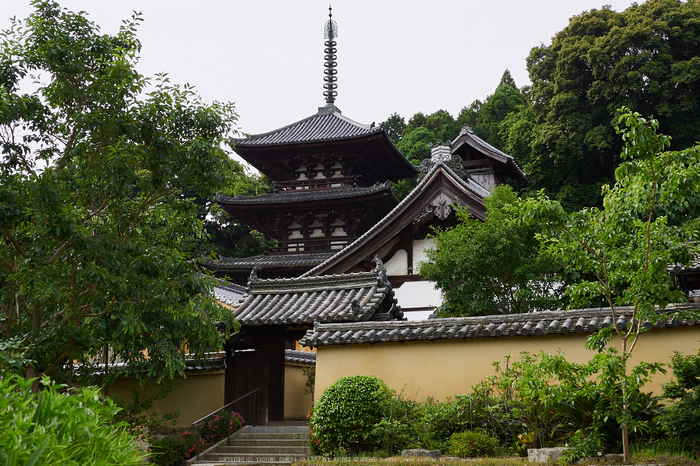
318 127
305 196
331 298
536 323
268 262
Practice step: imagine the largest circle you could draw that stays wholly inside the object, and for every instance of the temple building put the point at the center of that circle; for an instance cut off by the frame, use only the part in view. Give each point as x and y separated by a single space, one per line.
346 249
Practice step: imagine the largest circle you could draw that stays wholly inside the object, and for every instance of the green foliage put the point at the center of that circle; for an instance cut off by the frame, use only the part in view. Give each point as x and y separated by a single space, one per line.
649 221
99 168
13 356
134 412
174 450
545 400
345 414
415 144
395 126
485 118
646 58
219 426
401 423
473 444
54 427
168 451
493 267
682 419
310 385
649 217
439 420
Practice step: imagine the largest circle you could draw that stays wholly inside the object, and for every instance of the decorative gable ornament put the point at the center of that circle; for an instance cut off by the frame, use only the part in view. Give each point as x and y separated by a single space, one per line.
442 153
441 206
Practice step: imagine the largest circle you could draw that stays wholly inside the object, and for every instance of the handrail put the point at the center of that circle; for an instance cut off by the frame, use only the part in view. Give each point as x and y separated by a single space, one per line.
228 425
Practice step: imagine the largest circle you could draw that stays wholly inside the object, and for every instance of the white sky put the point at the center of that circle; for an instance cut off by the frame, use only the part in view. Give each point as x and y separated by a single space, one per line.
400 56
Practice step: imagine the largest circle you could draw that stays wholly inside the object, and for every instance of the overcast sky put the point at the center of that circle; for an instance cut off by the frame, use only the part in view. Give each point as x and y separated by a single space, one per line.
394 56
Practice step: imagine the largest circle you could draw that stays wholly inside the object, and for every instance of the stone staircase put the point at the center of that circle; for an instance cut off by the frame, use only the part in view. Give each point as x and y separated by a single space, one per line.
271 445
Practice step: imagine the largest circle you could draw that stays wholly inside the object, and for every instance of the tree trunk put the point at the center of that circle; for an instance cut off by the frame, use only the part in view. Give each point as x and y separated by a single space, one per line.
33 373
625 444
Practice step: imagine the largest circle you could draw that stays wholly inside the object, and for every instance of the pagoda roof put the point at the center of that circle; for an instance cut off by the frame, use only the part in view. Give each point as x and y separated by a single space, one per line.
468 138
506 325
265 262
260 212
306 196
439 179
329 131
320 127
328 299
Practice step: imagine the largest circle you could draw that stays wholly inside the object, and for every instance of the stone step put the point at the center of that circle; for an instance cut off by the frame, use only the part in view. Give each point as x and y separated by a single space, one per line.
272 435
275 429
239 458
265 442
264 450
278 445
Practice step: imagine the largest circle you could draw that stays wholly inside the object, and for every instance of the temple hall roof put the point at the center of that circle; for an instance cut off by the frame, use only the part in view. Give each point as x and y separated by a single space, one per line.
468 138
328 299
400 212
530 324
229 293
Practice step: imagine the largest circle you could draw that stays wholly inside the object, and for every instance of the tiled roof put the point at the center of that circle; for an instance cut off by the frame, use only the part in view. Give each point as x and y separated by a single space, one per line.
536 323
210 363
318 127
331 298
267 262
229 293
305 196
468 184
300 357
467 134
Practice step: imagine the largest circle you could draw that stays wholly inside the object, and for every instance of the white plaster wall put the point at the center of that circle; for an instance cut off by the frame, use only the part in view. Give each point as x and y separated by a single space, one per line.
419 247
417 294
398 264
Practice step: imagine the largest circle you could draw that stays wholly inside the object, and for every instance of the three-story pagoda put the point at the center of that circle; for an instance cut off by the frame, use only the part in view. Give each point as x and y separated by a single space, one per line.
332 183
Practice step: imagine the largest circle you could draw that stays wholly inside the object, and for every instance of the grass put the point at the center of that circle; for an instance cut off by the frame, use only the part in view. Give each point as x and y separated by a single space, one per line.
637 458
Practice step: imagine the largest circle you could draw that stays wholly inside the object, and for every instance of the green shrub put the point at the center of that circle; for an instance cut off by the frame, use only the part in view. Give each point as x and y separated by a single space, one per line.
442 419
472 444
53 427
682 419
401 421
345 415
169 451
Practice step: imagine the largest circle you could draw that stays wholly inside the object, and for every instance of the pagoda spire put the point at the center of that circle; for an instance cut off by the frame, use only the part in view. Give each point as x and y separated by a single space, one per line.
330 33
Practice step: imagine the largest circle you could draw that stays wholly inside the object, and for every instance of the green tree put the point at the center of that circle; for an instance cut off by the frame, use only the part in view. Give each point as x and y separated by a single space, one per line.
506 99
646 58
94 218
682 419
395 126
415 145
226 236
492 267
649 218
